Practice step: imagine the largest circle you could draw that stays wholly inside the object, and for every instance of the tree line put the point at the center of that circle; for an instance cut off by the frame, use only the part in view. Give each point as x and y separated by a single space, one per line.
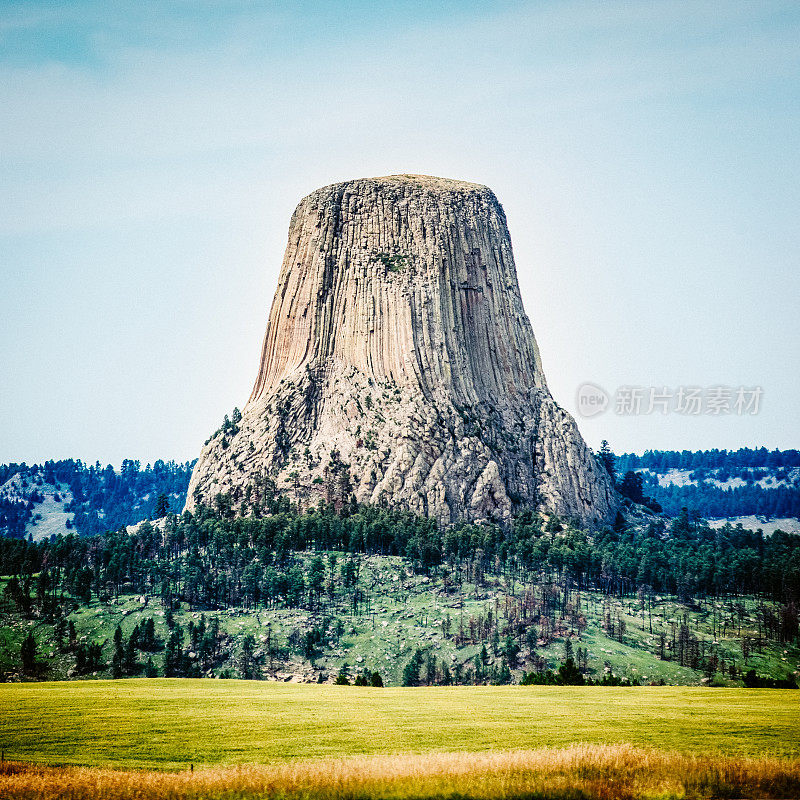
211 560
662 460
100 498
636 479
208 560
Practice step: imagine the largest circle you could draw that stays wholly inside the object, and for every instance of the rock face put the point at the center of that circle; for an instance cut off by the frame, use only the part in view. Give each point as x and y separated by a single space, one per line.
399 366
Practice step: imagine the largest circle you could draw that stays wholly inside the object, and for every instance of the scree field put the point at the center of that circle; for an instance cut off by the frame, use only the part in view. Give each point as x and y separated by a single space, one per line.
171 723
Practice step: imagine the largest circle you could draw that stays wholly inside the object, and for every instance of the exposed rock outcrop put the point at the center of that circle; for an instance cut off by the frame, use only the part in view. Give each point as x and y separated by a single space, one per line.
399 366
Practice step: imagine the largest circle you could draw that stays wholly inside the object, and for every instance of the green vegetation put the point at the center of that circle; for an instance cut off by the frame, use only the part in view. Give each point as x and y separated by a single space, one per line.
744 457
709 494
99 498
169 724
383 637
282 594
393 261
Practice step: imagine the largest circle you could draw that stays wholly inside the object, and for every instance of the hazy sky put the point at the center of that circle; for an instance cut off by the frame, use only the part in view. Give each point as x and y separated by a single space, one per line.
647 155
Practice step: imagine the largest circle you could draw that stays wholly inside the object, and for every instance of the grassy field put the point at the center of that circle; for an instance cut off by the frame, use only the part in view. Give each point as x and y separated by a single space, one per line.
580 772
171 723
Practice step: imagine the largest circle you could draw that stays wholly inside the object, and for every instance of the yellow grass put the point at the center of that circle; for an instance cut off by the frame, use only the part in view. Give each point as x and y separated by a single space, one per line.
580 772
169 723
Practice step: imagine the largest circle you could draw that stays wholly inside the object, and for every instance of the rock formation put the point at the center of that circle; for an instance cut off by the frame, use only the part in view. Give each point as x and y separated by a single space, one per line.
399 366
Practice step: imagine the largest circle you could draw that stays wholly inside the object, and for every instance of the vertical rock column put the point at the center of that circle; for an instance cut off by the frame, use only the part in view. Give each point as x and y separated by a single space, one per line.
399 365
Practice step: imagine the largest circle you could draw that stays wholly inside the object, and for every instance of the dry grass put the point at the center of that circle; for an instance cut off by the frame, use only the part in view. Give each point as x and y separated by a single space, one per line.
580 772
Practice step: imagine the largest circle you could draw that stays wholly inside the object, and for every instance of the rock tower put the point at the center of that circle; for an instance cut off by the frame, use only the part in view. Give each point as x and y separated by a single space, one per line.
399 366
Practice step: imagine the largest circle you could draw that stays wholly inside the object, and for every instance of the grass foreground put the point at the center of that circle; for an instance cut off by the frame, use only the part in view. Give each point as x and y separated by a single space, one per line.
580 772
168 724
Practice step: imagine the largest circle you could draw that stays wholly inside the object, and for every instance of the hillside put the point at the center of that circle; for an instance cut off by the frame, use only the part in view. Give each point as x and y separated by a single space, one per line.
305 597
723 485
57 497
302 596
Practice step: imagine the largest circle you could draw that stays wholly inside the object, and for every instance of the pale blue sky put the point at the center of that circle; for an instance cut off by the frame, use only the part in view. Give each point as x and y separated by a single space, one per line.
647 156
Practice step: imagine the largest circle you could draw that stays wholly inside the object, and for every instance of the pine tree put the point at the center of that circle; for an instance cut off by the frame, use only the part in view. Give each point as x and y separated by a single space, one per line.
569 674
411 670
504 676
608 459
28 654
80 660
631 486
248 668
567 649
162 506
430 669
173 654
511 651
343 679
147 635
94 657
131 665
530 640
118 660
376 680
479 669
447 678
316 579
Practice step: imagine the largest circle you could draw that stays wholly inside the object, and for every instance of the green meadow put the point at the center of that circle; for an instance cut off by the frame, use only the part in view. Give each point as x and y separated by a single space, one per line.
171 723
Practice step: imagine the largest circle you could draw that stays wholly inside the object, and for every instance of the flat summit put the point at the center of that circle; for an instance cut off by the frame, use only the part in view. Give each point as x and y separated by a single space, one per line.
399 368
